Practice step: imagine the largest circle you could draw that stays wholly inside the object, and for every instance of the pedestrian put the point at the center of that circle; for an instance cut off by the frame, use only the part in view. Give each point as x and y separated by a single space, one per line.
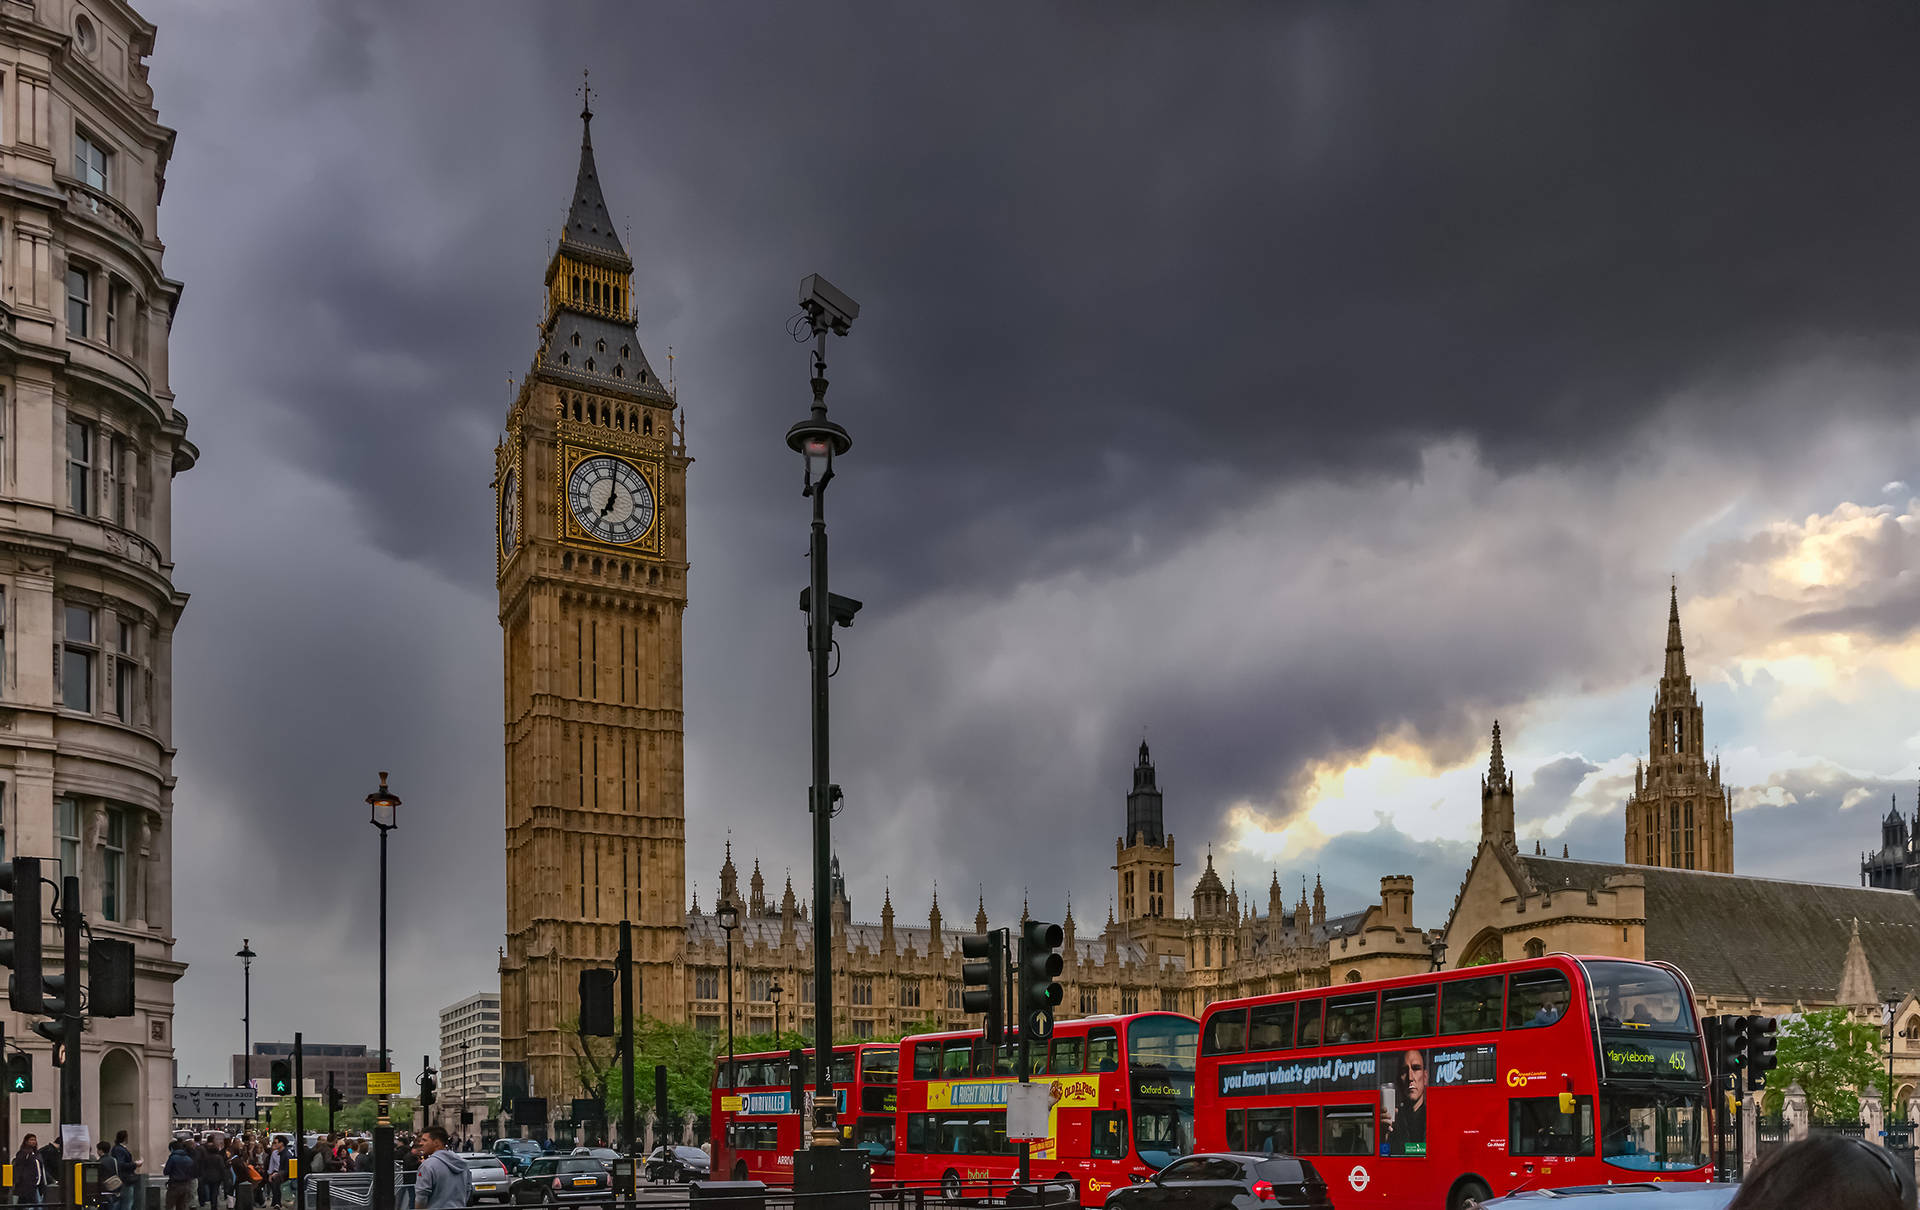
53 1166
29 1175
213 1173
123 1166
442 1181
277 1168
182 1172
1832 1172
409 1165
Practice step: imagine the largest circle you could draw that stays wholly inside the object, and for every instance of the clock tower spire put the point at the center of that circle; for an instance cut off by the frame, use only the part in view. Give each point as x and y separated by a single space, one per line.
590 483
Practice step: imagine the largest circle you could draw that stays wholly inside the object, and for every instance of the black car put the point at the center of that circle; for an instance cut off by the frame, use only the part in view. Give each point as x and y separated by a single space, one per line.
554 1179
1223 1180
678 1164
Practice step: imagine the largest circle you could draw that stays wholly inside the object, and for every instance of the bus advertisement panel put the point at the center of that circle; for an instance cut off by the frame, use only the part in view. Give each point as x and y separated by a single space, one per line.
1446 1089
1119 1106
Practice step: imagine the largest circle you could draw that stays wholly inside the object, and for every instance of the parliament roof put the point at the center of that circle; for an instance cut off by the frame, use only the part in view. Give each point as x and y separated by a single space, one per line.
1740 937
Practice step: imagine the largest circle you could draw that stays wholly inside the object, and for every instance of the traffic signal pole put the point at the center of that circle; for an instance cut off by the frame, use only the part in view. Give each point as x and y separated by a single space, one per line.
625 965
71 922
330 1095
299 1121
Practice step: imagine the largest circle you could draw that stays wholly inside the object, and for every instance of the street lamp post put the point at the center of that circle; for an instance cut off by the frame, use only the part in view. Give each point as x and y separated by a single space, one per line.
384 807
775 990
819 441
729 917
246 956
1891 1006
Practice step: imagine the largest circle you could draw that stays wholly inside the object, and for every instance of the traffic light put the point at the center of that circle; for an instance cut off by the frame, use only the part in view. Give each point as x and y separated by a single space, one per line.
796 1080
279 1078
596 1003
1730 1050
982 979
336 1100
20 916
19 1073
1040 965
428 1090
1762 1049
109 978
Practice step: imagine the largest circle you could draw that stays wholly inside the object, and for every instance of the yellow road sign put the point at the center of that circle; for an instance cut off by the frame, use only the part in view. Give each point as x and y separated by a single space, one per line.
383 1082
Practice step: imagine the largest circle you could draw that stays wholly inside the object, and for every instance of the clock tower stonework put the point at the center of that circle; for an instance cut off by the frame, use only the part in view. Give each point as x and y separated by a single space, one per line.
590 492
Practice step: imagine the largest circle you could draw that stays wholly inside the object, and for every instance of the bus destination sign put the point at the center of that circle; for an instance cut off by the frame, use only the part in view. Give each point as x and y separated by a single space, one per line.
1645 1058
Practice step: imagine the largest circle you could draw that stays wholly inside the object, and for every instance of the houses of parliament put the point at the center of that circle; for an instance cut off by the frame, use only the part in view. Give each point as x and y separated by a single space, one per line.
591 482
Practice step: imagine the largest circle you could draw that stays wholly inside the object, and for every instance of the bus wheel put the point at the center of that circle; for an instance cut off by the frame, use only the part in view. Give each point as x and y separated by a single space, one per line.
1469 1194
740 1170
1070 1183
950 1186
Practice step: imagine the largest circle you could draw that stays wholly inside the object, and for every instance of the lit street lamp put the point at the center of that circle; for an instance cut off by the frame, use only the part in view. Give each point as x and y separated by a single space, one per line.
819 441
729 918
384 807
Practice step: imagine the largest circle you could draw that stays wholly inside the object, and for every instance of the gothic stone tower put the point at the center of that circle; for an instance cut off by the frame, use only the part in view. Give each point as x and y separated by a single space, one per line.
1679 815
592 575
1143 859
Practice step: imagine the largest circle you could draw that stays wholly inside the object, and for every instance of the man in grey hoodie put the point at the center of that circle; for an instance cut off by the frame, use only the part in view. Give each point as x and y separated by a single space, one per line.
443 1182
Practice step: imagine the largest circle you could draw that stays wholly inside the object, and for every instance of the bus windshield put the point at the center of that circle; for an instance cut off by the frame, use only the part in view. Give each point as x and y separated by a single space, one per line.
1636 996
1163 1135
1652 1132
1163 1044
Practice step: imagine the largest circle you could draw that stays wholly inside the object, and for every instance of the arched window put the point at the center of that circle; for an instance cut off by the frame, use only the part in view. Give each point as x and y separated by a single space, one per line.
576 287
576 407
646 423
564 359
1536 948
599 346
1354 977
1483 949
620 419
1679 734
589 365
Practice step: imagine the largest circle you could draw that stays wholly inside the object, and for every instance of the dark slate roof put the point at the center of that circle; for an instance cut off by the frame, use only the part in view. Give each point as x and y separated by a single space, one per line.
1740 937
588 223
635 377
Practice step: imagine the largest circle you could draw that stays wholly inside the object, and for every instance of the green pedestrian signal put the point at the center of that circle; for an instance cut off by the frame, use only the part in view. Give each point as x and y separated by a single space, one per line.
280 1078
19 1073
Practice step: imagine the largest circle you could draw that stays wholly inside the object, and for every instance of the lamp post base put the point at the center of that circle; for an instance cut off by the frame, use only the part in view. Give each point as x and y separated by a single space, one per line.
383 1168
836 1178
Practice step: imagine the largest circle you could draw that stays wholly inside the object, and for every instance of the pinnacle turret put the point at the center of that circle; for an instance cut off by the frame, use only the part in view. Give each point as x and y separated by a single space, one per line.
1676 651
589 226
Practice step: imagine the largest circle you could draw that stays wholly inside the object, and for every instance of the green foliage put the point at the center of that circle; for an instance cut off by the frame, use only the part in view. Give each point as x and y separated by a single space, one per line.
1833 1057
360 1115
281 1117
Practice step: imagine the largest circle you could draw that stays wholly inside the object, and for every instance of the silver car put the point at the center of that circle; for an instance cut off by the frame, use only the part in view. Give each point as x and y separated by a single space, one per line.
489 1176
1628 1195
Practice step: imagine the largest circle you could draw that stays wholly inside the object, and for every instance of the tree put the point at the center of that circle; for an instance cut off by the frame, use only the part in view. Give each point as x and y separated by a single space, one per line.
281 1118
360 1115
1833 1056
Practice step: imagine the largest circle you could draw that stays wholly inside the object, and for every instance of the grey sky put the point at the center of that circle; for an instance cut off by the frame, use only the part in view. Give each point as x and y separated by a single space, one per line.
1294 382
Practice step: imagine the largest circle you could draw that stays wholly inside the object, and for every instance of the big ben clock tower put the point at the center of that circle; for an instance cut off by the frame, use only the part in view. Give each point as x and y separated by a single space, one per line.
590 486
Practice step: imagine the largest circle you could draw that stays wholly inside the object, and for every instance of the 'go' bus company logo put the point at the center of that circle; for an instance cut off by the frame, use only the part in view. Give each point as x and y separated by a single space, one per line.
1520 1079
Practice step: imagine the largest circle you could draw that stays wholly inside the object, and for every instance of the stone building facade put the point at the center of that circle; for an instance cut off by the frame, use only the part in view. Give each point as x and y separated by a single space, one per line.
90 441
590 483
1895 865
897 978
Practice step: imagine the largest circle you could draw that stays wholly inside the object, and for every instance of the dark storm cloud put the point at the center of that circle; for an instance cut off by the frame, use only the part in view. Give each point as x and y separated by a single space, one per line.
1127 272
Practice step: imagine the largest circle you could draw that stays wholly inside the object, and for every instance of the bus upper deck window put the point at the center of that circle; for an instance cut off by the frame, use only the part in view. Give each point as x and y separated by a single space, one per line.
1103 1049
1536 998
1310 1023
1270 1027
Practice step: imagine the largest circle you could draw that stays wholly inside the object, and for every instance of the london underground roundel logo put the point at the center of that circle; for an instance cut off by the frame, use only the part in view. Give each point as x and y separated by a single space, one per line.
1358 1178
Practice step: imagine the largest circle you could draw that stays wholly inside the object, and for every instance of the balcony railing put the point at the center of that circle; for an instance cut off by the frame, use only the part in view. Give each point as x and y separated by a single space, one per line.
88 200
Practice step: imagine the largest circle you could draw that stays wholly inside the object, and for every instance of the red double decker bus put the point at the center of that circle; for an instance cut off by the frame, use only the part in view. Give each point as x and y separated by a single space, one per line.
1446 1089
1122 1105
756 1128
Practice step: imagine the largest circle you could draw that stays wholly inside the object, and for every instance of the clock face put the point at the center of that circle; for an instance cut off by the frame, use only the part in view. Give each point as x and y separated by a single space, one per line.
610 500
509 513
